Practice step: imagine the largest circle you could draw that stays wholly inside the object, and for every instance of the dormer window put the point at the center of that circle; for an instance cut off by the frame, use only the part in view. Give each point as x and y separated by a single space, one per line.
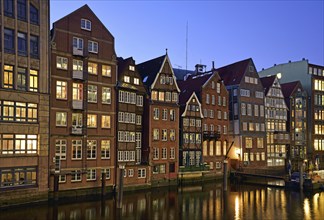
131 68
127 79
85 24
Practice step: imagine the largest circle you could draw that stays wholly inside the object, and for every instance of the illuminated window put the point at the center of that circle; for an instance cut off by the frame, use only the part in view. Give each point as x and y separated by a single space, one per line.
132 68
77 65
93 68
248 142
61 63
61 90
33 80
127 79
92 121
154 95
77 91
8 79
105 121
61 119
155 134
106 70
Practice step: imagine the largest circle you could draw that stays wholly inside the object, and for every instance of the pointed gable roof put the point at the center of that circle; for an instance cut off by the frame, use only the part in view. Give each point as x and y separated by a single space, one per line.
86 12
232 74
267 82
151 69
288 90
194 84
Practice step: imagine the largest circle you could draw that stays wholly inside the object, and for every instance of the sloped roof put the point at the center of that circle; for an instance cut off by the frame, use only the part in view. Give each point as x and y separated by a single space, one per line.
232 74
267 82
288 89
85 9
193 84
149 69
181 73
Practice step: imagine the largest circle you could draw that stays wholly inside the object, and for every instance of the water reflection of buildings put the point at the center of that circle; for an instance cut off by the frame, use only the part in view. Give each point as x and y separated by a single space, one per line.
199 202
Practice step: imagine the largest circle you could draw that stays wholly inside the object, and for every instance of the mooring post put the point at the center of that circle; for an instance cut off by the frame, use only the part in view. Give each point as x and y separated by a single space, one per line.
225 175
56 187
103 184
120 188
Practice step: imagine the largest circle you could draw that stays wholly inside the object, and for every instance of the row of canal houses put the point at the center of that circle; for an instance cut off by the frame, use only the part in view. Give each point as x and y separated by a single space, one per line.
109 120
109 114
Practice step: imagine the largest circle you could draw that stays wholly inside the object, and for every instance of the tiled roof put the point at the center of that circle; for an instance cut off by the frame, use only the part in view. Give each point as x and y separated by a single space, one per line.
193 84
288 89
267 82
181 73
232 74
149 69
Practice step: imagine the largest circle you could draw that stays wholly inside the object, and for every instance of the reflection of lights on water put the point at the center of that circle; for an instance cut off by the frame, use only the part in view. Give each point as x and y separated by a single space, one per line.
237 208
306 209
315 201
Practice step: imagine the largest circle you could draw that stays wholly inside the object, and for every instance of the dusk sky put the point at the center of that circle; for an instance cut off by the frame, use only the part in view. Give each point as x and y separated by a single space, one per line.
270 32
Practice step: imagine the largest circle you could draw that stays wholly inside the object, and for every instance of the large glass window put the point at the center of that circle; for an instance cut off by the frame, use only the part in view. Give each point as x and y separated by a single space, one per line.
34 52
21 10
16 177
21 79
8 80
33 14
9 42
33 80
18 111
9 8
18 144
77 91
22 44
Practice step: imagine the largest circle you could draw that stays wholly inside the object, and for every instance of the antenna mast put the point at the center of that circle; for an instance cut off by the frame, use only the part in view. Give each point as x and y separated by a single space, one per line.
187 47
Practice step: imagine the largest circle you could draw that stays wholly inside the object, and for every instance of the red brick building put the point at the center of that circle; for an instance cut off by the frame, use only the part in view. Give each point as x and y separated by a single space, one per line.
247 118
83 105
130 110
213 97
161 121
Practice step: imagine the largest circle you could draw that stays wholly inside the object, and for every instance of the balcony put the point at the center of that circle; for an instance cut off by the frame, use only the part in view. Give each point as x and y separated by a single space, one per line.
211 135
77 74
77 104
77 51
77 130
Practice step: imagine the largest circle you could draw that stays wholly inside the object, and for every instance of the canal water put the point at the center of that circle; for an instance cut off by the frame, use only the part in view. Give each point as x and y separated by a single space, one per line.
206 201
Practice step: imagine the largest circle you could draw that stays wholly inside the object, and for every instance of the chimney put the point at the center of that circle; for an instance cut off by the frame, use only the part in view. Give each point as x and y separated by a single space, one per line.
200 68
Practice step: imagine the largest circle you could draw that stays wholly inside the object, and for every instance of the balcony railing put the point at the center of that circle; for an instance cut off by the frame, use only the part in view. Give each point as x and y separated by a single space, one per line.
77 51
77 74
77 104
211 135
76 130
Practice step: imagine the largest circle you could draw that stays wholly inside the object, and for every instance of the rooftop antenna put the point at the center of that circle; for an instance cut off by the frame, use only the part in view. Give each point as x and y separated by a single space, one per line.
187 47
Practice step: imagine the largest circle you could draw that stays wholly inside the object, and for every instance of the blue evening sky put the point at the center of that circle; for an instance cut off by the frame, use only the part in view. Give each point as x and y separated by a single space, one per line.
270 32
